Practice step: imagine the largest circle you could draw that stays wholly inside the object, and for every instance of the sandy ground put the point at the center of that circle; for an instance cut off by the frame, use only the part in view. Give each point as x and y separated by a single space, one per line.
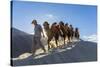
81 51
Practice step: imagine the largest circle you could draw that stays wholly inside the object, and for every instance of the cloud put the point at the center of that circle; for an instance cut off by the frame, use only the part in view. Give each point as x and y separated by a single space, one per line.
49 16
92 38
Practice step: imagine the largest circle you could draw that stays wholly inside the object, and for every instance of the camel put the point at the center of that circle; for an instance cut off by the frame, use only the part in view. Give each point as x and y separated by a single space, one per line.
51 32
68 32
71 32
76 34
55 31
63 32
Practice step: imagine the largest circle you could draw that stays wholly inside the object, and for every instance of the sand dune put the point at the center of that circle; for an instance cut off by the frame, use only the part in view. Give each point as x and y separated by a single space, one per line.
21 42
83 51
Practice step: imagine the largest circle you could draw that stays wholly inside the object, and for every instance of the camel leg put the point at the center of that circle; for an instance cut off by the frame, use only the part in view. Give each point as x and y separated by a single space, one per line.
68 39
49 39
48 44
56 42
64 40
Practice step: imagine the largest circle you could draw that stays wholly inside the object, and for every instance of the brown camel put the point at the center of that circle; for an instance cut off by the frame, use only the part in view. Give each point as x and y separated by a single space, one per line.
51 32
76 34
63 31
55 30
71 32
68 32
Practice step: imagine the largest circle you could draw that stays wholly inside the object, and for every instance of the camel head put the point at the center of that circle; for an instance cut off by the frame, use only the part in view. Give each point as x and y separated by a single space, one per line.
46 25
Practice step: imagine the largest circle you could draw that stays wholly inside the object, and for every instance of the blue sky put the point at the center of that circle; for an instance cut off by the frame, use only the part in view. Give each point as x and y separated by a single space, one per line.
82 16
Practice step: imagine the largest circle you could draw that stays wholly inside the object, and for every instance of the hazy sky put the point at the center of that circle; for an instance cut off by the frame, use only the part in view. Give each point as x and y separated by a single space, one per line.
82 16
